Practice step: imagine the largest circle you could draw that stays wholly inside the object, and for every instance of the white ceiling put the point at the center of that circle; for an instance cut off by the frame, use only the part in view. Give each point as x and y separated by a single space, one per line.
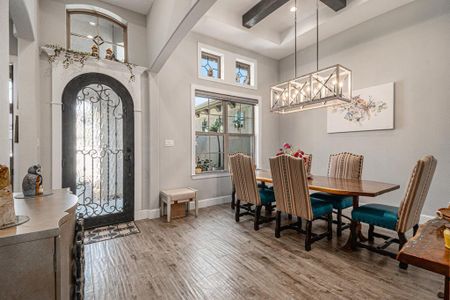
274 36
139 6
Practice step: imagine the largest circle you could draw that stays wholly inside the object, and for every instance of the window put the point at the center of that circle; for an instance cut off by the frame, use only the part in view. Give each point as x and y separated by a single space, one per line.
223 125
243 73
211 65
88 28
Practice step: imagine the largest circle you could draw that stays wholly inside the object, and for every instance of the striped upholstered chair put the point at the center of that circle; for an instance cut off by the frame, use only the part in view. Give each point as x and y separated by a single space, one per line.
341 165
247 192
291 191
400 219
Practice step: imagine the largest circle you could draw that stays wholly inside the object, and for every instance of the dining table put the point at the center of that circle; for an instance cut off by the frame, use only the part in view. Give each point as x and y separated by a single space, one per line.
355 188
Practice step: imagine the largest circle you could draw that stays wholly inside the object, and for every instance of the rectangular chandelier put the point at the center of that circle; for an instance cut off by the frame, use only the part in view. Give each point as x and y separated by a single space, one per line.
326 87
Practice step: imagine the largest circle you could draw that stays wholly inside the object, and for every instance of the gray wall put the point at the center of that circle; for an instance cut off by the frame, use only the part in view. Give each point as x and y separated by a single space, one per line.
410 46
174 115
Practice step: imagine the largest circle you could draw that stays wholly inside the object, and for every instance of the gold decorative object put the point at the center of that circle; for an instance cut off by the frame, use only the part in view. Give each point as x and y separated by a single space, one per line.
7 212
109 54
94 50
444 213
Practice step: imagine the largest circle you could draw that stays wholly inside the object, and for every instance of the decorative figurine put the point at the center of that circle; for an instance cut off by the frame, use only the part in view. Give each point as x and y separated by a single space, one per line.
94 50
7 213
109 54
32 182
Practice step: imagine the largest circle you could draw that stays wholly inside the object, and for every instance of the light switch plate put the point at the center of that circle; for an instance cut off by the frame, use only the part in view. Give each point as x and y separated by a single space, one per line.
169 143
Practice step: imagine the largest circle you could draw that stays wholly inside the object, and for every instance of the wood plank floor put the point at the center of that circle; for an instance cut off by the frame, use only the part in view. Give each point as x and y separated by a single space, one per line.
212 257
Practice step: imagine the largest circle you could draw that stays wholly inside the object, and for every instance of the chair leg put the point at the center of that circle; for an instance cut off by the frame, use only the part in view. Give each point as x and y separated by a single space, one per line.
299 221
257 216
277 224
233 198
339 222
415 228
308 235
402 241
289 217
353 235
237 210
371 230
330 226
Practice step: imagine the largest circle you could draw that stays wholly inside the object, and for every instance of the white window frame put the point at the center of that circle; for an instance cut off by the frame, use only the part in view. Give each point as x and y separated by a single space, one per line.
228 66
257 113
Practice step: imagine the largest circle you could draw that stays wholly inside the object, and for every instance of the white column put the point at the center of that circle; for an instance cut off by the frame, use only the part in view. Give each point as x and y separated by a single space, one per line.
4 79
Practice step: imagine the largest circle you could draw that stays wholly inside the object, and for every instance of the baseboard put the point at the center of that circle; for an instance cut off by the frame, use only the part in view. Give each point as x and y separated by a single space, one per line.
425 218
155 213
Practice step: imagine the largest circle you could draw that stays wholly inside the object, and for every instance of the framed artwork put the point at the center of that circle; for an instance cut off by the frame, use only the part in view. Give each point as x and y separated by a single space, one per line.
370 109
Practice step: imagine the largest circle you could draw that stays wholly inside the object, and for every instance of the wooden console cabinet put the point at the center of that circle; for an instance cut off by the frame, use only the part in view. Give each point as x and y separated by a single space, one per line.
36 257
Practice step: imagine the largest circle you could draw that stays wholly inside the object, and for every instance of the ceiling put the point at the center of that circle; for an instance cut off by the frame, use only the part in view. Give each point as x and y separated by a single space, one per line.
139 6
274 36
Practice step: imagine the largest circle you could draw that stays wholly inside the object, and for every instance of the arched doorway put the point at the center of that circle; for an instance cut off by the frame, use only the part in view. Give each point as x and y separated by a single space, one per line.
98 148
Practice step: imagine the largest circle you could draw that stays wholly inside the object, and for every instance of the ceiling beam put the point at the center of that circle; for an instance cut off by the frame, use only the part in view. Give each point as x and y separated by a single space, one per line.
335 4
261 10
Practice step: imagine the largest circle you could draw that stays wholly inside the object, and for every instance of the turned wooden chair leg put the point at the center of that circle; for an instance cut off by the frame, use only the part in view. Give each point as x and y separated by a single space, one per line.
353 234
257 216
330 226
415 228
277 224
299 222
371 230
402 241
308 235
233 198
238 210
339 222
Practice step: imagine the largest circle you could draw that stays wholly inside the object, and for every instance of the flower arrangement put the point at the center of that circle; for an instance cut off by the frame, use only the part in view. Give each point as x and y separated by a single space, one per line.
288 150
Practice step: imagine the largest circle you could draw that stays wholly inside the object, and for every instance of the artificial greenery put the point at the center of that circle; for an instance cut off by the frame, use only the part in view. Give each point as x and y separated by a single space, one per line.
73 56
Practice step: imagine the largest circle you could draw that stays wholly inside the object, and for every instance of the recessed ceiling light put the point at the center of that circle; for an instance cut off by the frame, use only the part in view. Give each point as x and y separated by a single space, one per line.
293 9
92 23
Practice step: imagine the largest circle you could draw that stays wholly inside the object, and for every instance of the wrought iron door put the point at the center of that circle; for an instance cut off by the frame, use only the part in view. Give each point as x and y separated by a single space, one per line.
98 147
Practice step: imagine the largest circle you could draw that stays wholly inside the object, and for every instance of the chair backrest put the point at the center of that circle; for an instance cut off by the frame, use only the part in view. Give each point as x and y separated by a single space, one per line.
416 193
345 165
291 186
244 178
308 162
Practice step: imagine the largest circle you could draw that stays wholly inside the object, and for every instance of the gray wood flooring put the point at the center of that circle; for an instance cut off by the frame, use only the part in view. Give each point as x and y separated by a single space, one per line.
212 257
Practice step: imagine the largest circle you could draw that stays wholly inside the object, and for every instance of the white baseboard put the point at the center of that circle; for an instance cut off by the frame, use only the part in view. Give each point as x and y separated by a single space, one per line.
425 218
155 213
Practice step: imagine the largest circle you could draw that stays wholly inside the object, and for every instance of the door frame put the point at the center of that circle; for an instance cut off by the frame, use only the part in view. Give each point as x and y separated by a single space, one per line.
68 139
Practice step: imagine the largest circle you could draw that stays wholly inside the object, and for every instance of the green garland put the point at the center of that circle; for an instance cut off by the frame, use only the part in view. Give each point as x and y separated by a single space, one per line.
73 56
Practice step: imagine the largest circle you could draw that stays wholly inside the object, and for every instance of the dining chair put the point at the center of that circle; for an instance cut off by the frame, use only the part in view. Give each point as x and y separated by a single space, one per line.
400 219
290 184
341 165
247 190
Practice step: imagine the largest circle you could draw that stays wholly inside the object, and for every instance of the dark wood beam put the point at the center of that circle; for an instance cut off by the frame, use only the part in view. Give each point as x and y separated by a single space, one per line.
335 4
261 10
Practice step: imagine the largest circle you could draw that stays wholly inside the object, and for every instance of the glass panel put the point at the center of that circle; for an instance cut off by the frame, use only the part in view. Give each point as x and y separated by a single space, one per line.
83 24
247 110
80 44
240 144
201 122
216 143
105 29
215 107
242 73
216 162
210 66
117 37
215 123
233 108
99 148
119 51
201 144
103 47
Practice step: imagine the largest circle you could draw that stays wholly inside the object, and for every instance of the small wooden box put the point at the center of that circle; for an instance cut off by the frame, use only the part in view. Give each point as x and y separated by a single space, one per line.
178 210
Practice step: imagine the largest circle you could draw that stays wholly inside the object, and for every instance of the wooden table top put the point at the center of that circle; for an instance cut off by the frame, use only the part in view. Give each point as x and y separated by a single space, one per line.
338 186
427 249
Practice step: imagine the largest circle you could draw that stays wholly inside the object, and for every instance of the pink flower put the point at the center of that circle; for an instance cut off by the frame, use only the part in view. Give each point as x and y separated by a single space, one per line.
287 146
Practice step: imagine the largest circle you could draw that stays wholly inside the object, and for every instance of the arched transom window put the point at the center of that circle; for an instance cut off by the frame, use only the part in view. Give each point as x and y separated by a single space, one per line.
86 28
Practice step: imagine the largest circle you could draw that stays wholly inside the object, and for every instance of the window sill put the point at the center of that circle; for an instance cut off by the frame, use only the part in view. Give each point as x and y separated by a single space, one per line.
210 175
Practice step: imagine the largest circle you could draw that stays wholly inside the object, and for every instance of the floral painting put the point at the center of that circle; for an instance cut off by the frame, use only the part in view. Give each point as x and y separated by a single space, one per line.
370 109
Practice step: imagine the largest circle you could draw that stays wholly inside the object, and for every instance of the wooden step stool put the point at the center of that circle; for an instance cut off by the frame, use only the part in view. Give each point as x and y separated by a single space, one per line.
177 196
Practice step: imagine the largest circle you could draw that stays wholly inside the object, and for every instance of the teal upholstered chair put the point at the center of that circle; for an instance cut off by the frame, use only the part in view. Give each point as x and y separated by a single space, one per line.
249 197
400 219
291 191
341 165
